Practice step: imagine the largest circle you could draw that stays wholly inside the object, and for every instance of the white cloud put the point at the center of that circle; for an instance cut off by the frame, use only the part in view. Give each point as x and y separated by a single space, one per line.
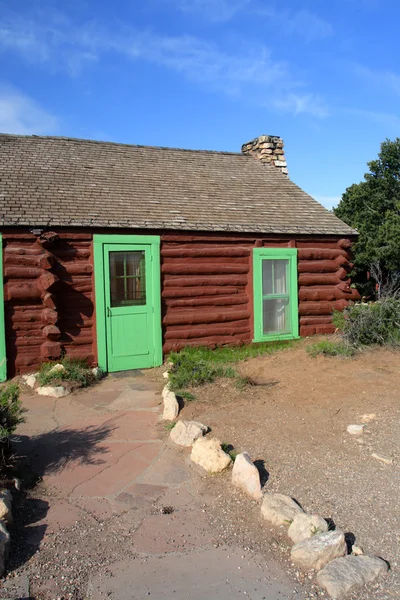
21 114
298 104
328 201
57 43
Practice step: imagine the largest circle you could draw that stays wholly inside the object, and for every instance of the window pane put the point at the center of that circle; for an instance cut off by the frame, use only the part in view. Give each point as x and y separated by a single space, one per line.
127 278
280 276
267 284
276 315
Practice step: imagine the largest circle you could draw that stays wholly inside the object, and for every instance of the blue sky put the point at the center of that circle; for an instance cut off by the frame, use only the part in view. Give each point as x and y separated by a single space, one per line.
209 74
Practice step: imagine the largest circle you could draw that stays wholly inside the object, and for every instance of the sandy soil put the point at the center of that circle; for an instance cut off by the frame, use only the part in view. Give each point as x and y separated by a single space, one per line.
295 420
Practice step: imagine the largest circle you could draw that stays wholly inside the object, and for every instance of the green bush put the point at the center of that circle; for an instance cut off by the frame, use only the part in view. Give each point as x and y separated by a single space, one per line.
377 323
76 370
189 370
11 412
329 348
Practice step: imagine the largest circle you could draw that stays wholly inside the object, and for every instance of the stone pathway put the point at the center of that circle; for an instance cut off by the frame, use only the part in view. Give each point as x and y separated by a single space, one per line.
104 465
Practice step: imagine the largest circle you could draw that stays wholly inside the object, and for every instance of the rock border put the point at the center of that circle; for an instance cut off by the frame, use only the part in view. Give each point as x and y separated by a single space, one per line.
315 548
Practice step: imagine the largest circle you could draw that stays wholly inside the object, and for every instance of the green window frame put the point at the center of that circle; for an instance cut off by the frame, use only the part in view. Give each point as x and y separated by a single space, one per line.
290 293
3 357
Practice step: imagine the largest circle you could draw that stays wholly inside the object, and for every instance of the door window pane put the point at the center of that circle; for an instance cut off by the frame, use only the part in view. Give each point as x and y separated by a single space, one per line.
128 278
276 315
274 276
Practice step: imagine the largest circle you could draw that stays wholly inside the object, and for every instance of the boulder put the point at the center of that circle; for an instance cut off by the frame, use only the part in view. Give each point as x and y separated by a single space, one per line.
185 433
319 550
5 506
165 391
171 406
31 381
350 573
57 391
279 509
97 372
57 369
208 454
305 526
4 540
245 476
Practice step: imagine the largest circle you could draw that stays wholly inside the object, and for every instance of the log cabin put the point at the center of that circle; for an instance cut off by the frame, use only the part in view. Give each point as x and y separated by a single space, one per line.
121 253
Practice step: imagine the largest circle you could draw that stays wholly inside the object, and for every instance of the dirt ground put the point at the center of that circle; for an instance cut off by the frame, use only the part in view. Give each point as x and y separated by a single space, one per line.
295 420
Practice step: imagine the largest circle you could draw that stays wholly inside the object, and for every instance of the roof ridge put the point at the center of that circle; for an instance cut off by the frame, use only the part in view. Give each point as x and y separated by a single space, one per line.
123 144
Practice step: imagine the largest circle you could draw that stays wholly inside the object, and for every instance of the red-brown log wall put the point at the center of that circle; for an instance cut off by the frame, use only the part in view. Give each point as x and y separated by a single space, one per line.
206 282
48 295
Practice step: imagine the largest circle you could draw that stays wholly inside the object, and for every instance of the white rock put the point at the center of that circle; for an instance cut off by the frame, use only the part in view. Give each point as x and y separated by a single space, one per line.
57 368
356 550
350 573
30 380
165 375
319 550
355 429
279 509
185 433
384 459
171 407
58 391
305 526
98 372
166 390
207 453
4 540
5 506
246 476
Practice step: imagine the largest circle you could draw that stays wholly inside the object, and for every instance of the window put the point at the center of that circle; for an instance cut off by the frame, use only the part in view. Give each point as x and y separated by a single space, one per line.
128 278
275 294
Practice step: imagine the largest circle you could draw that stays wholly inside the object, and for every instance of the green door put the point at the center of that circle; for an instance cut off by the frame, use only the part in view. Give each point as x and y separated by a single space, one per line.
128 317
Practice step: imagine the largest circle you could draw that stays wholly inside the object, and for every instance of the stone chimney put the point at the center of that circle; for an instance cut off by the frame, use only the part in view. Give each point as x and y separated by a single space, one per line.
267 149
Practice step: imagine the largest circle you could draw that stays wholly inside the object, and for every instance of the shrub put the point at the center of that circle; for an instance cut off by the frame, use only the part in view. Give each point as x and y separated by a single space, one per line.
329 348
76 370
374 323
11 412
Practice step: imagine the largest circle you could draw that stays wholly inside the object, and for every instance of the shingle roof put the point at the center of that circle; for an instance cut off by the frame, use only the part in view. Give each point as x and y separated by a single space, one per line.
72 182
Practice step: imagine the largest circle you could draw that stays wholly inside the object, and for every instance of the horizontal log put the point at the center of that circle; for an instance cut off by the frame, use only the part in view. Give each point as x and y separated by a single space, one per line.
321 308
209 301
66 235
196 261
214 316
316 320
321 253
324 292
33 251
25 326
208 238
307 330
49 316
199 291
50 350
27 316
213 342
72 253
26 291
76 268
325 329
217 251
313 243
47 281
71 321
323 278
196 333
202 268
51 332
212 280
78 340
345 243
317 266
22 272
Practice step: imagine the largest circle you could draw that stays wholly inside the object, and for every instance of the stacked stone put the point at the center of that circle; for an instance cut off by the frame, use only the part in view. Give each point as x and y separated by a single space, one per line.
267 149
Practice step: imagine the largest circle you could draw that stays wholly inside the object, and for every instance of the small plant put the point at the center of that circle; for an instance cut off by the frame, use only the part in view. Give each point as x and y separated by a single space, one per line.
169 426
315 530
74 370
229 449
329 348
189 397
11 415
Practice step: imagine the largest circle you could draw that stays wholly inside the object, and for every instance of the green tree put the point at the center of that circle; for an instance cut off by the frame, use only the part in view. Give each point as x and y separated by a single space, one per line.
373 208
